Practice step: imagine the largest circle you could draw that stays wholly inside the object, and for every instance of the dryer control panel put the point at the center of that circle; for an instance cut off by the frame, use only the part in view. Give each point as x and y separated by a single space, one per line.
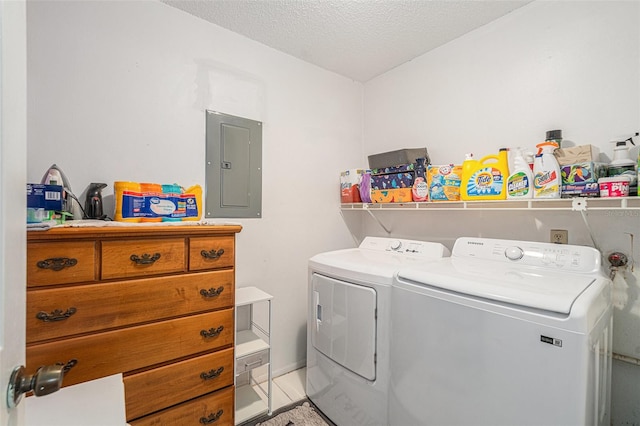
530 253
412 248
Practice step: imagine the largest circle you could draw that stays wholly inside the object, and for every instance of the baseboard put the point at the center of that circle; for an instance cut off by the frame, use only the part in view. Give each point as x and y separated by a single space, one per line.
289 368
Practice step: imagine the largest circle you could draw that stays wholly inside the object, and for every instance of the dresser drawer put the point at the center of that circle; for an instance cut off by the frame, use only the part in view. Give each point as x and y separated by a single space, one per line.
136 258
169 385
211 252
111 352
57 312
215 409
60 263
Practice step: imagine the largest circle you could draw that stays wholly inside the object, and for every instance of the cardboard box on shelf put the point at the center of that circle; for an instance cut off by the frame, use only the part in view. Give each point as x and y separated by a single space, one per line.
393 186
577 154
444 182
350 185
581 190
395 195
582 173
401 168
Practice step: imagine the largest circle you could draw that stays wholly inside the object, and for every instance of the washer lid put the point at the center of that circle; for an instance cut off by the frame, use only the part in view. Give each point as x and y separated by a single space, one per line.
524 286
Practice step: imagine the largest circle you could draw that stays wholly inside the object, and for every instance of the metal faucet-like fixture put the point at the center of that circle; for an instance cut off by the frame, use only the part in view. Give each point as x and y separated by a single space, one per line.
617 260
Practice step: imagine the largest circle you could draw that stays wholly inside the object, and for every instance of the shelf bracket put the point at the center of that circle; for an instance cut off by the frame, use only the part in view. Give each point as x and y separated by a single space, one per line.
579 204
378 221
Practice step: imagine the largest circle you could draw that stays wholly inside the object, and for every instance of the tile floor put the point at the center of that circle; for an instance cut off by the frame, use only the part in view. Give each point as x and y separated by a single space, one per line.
288 388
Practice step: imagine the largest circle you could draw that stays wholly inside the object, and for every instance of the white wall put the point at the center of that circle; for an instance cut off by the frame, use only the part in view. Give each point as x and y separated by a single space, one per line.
549 65
573 66
118 91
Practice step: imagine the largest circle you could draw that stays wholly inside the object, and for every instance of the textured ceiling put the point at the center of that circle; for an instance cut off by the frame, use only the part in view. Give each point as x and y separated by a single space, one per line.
359 39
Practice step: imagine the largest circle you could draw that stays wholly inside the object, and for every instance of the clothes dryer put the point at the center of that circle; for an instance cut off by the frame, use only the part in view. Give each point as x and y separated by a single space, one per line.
348 326
502 333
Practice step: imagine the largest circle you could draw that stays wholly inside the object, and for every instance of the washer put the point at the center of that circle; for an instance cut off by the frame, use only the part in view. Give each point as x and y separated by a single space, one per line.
502 333
348 326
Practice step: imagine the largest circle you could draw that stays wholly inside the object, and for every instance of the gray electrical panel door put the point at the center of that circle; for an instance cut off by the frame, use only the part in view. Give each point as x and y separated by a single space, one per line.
234 167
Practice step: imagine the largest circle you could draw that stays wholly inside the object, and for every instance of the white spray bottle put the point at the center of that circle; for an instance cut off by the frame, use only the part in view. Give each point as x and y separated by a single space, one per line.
547 180
520 181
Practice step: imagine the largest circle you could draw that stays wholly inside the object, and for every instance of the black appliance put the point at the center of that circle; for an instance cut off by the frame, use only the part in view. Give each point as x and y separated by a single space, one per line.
93 202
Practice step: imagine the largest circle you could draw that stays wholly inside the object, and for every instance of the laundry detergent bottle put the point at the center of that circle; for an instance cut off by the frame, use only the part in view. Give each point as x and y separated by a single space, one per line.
520 181
547 180
485 179
468 163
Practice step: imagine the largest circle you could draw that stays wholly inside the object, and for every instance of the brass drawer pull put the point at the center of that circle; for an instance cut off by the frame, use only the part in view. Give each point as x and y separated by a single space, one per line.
146 259
211 374
212 254
212 292
56 315
213 332
212 418
57 263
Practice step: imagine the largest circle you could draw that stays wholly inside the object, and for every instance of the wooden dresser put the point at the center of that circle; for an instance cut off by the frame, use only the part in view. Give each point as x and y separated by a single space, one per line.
155 303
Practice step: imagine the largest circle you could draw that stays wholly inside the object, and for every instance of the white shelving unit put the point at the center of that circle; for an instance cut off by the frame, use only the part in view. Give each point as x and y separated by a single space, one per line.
576 204
252 350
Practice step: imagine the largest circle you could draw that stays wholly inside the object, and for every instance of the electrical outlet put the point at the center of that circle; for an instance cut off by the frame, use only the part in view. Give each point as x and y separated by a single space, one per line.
559 236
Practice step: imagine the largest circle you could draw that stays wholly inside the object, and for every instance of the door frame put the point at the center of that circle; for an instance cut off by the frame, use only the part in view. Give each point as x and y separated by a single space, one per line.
13 166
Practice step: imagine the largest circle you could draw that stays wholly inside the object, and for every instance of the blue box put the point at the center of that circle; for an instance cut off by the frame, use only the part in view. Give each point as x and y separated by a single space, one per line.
582 173
580 190
47 197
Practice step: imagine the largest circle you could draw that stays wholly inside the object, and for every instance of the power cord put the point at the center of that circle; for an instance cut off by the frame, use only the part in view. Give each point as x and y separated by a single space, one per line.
84 213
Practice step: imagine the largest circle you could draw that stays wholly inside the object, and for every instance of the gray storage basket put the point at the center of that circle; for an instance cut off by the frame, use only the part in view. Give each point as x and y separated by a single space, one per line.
396 158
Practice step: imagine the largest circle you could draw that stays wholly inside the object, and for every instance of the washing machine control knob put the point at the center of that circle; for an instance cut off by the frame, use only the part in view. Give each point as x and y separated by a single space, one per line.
395 245
514 253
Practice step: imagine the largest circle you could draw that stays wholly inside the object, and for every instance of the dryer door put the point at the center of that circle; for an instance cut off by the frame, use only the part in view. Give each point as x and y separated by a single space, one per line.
345 324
